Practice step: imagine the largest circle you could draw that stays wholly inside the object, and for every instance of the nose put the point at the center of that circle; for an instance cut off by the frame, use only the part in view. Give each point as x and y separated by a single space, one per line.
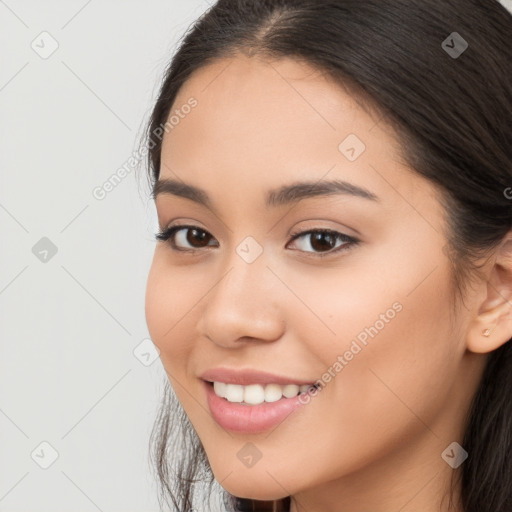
244 306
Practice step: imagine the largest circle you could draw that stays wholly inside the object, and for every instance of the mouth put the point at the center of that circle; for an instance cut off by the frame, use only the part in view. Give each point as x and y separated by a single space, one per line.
253 408
256 394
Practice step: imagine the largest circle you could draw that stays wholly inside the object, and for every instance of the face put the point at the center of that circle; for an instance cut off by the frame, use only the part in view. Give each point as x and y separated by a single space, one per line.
345 286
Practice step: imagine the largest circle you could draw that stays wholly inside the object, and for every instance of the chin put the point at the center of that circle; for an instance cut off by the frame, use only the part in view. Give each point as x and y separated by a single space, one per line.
262 487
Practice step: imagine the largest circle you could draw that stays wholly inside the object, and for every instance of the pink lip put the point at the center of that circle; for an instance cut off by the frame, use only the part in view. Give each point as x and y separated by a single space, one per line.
249 419
249 376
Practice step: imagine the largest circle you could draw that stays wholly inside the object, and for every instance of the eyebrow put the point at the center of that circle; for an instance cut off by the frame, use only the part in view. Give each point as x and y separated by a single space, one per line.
277 197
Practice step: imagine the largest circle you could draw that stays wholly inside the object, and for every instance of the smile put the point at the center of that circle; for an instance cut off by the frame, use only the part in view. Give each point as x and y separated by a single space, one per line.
251 418
255 394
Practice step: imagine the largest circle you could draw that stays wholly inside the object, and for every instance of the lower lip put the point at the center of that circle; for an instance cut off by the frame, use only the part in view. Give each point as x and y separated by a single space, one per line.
249 419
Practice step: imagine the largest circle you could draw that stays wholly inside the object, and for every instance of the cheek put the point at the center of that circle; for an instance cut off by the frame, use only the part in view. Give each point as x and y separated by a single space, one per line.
398 363
386 344
156 303
168 306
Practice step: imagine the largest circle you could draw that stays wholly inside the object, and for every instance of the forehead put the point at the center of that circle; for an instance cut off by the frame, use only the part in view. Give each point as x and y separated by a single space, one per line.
270 121
254 90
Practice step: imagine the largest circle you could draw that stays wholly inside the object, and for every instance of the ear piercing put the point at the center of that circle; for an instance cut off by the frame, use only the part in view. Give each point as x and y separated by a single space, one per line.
486 332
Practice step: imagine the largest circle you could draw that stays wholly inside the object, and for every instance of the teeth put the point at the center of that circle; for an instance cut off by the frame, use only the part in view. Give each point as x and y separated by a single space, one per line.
256 394
234 393
291 390
220 389
273 392
253 394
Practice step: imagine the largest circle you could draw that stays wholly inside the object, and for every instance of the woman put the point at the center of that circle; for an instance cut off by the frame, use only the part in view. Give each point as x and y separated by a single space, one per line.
330 291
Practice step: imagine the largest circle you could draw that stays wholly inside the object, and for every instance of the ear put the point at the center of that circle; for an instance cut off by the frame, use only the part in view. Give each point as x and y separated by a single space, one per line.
492 327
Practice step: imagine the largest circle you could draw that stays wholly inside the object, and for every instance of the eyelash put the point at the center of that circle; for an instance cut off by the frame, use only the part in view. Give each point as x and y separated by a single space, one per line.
167 235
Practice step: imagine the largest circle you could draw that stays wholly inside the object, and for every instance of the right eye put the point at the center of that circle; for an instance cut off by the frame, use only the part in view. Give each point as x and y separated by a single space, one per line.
181 235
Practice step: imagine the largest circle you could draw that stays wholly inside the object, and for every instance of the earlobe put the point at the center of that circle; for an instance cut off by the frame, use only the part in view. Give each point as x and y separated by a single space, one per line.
491 328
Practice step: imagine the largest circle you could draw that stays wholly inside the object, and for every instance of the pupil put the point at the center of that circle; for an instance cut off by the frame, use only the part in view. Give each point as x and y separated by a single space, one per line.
318 237
197 235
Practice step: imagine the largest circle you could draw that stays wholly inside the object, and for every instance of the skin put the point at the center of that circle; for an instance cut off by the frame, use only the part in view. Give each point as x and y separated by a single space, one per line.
372 438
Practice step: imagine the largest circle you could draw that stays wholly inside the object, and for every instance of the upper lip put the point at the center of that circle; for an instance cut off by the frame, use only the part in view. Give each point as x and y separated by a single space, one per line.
248 376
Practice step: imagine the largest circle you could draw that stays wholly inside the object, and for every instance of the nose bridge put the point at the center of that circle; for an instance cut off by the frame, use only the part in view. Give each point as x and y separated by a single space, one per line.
241 303
246 269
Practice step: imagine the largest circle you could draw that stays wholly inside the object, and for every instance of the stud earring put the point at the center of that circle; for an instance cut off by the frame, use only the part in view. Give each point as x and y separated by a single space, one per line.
486 332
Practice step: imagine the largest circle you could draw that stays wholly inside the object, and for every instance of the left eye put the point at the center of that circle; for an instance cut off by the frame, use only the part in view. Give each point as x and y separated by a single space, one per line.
315 241
324 241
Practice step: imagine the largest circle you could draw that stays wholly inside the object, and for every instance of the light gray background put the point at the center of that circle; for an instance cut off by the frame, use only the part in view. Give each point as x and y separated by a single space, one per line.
69 326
